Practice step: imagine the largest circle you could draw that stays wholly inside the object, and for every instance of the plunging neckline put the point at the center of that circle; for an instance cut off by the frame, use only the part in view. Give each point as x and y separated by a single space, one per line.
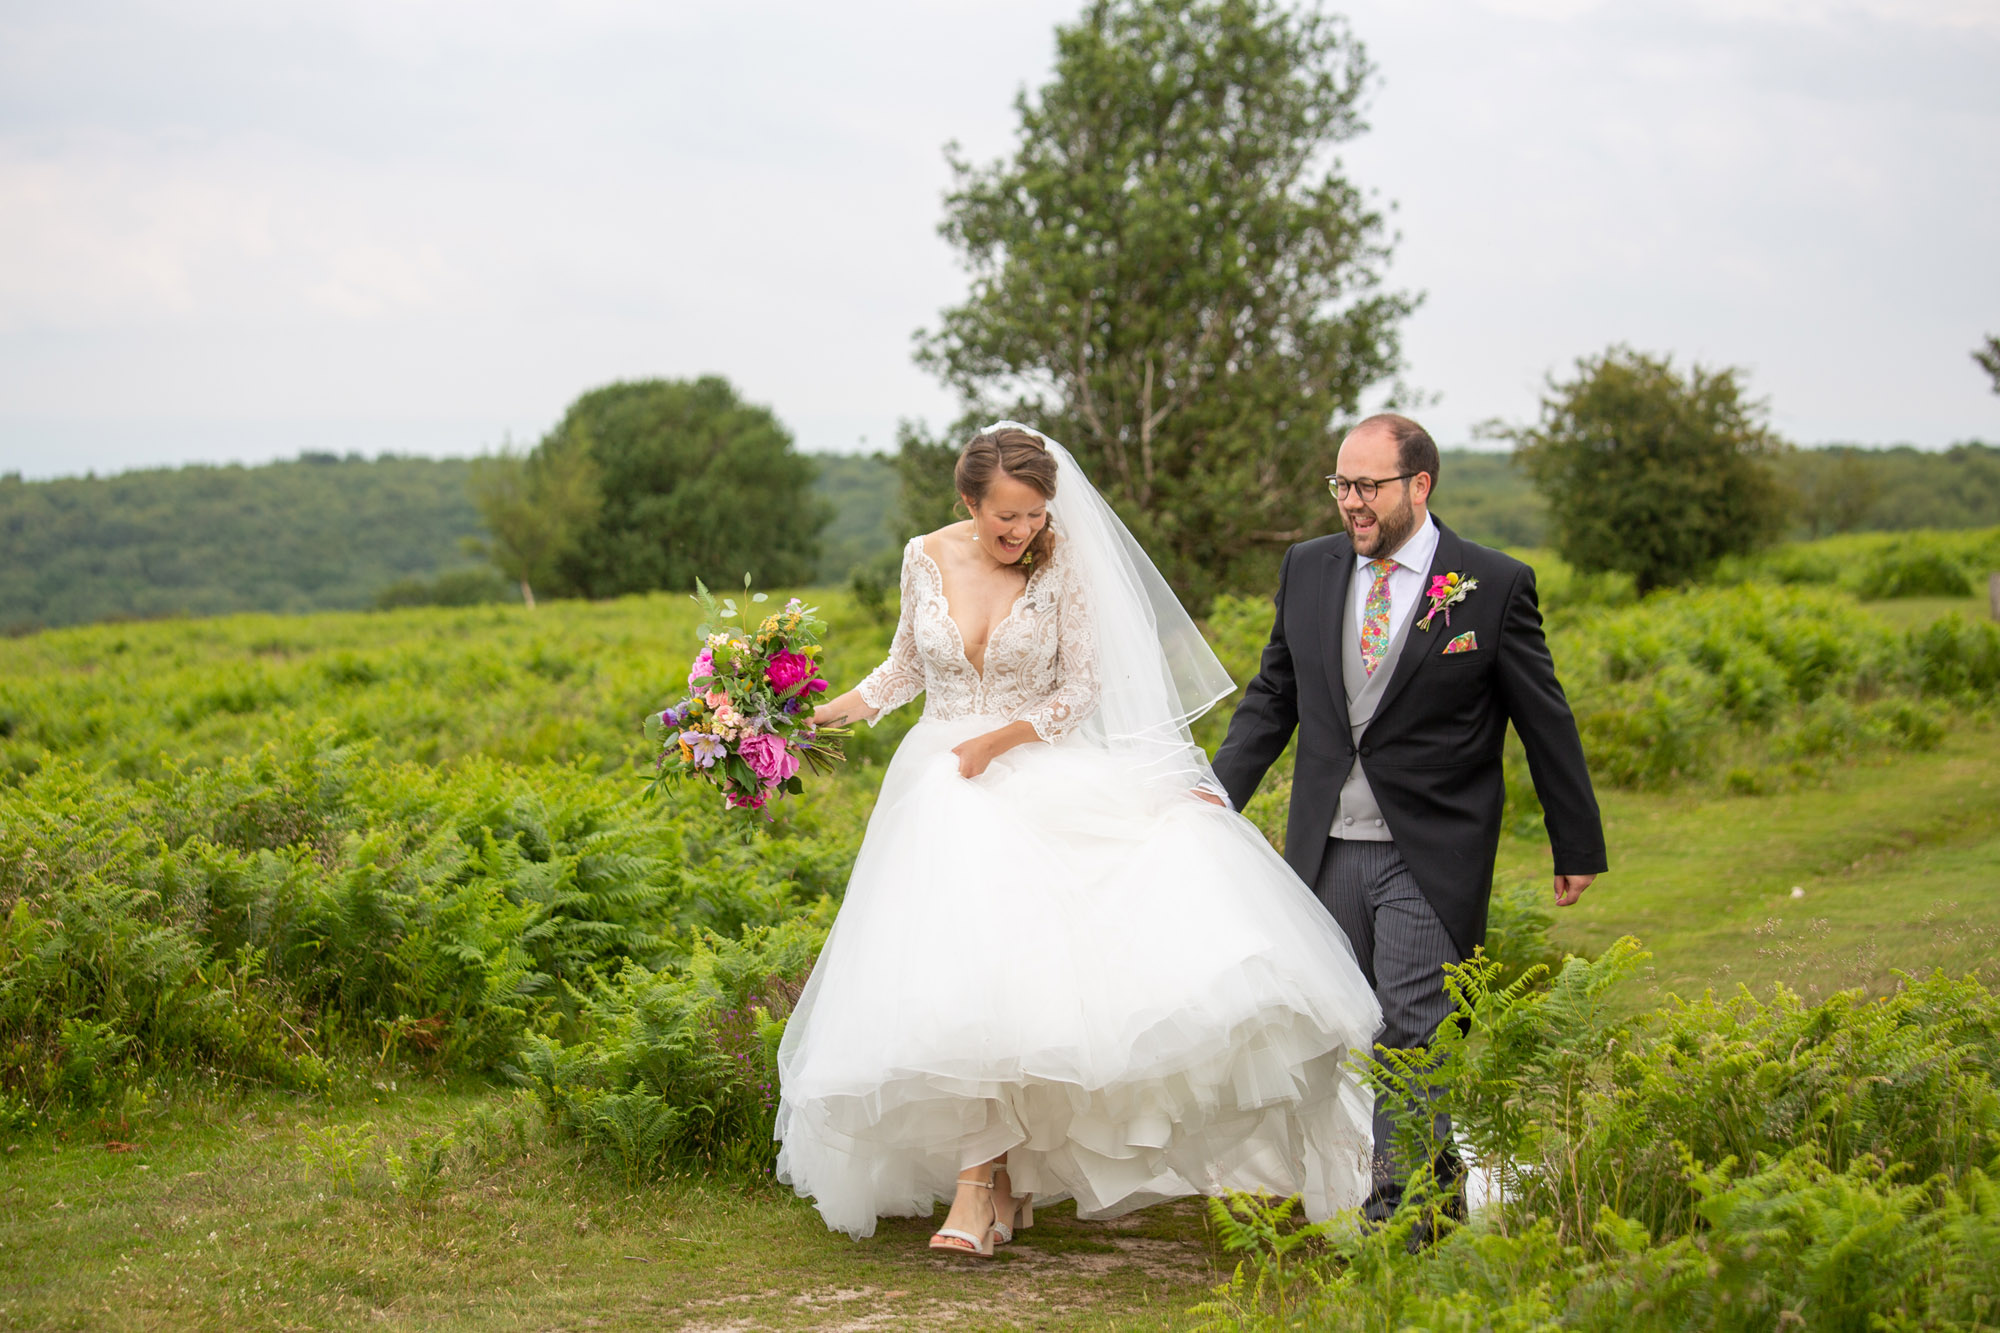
959 634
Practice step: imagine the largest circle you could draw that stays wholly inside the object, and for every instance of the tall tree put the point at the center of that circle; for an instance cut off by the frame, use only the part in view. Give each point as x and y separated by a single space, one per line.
697 483
1651 472
535 507
1988 358
1171 274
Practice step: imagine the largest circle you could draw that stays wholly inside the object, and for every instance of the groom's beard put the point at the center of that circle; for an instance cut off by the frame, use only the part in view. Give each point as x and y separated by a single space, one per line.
1391 530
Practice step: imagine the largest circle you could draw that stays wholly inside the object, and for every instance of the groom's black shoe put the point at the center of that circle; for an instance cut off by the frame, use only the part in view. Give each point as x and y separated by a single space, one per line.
1383 1201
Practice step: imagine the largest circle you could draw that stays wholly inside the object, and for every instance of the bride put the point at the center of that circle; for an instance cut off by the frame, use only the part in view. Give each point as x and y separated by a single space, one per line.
1056 972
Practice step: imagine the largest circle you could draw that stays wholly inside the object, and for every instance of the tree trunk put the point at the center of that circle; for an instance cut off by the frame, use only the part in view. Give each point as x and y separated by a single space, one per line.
1993 594
527 594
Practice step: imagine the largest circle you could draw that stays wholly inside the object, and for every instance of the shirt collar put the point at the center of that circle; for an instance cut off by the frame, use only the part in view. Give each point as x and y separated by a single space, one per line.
1416 551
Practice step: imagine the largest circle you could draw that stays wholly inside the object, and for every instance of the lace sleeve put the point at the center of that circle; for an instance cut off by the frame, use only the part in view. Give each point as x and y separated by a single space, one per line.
901 678
1075 696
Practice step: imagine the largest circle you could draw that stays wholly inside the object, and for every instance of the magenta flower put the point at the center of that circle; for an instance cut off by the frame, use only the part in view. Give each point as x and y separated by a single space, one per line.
789 669
704 667
754 801
768 757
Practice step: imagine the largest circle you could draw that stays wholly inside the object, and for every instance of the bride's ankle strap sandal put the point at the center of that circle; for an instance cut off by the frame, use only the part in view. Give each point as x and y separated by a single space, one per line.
981 1246
1020 1211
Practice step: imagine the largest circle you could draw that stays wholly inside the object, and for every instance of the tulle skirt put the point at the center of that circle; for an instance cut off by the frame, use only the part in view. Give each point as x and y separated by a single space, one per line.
1122 988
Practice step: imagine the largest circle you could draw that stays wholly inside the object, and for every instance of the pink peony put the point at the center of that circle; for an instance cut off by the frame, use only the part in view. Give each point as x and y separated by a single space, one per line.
788 669
704 667
768 758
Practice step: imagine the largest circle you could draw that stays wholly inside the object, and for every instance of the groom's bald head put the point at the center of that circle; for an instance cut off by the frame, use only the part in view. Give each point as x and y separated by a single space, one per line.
1415 450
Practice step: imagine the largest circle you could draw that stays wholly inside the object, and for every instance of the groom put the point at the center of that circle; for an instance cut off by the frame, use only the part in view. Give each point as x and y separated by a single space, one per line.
1399 654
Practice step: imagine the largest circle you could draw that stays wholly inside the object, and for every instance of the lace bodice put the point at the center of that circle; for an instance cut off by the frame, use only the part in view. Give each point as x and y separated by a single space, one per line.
1041 660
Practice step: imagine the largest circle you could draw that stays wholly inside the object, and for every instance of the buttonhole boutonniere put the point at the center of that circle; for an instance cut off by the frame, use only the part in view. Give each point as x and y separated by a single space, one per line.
1446 590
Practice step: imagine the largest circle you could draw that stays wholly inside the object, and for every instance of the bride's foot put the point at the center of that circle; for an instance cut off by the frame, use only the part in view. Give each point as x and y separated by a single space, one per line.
969 1228
1012 1212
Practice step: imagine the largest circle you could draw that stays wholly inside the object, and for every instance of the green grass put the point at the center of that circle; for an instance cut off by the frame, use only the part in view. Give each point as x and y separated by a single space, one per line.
1898 861
1903 613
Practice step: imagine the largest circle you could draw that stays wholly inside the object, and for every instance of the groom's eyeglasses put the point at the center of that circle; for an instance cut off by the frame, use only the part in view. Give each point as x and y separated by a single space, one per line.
1365 487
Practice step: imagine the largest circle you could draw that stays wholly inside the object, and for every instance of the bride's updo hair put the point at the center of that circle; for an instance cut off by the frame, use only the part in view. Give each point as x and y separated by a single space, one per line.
1010 452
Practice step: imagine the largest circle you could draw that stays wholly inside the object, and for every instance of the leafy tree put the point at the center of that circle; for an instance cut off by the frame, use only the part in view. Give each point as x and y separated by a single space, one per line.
1653 473
535 507
696 484
1988 358
1171 275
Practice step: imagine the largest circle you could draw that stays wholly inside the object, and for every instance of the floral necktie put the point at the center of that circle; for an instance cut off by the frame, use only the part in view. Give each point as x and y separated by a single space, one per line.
1375 615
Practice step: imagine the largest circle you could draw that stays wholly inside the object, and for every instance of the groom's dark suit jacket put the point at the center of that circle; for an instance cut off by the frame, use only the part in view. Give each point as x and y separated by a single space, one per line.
1432 753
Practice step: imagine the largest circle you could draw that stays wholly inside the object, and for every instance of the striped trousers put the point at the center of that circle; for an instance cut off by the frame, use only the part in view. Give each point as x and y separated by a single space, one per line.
1402 948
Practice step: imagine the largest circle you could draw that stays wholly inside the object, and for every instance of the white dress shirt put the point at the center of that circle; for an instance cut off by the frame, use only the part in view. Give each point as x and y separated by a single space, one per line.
1406 585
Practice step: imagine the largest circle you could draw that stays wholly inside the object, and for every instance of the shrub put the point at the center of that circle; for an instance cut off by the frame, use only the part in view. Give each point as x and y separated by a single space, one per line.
1728 1163
1913 573
678 1067
454 587
254 918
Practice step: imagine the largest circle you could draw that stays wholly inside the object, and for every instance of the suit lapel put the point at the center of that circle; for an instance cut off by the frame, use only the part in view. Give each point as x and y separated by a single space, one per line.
1337 575
1422 645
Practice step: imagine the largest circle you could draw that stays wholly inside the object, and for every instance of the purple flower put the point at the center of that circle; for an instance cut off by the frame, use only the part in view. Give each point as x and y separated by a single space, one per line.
707 749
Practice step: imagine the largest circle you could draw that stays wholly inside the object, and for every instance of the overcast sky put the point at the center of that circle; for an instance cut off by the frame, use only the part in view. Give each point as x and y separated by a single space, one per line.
237 229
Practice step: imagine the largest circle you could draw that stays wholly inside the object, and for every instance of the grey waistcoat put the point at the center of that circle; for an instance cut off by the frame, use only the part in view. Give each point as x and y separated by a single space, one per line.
1358 817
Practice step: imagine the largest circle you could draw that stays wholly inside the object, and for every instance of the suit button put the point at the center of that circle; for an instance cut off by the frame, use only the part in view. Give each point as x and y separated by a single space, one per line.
1364 752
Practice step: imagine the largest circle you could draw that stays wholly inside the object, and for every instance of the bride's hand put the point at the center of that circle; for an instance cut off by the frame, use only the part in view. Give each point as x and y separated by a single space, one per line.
974 755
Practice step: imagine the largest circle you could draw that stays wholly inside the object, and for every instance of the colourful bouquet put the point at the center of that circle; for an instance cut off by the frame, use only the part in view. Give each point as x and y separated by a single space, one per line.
746 725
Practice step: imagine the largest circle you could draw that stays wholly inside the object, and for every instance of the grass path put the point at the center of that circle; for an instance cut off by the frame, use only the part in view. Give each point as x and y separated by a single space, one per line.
215 1220
1896 864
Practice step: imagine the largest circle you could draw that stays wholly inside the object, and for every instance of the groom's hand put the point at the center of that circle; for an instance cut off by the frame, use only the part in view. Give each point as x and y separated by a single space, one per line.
1570 887
1210 797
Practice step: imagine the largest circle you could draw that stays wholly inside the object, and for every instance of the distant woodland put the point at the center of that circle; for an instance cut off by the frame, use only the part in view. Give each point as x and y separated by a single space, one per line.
329 532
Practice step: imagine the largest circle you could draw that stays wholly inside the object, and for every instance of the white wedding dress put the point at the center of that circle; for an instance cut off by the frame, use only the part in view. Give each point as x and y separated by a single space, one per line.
1065 959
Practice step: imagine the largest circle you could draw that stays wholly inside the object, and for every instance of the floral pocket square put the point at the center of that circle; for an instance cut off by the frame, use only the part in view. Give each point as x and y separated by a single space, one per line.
1464 643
